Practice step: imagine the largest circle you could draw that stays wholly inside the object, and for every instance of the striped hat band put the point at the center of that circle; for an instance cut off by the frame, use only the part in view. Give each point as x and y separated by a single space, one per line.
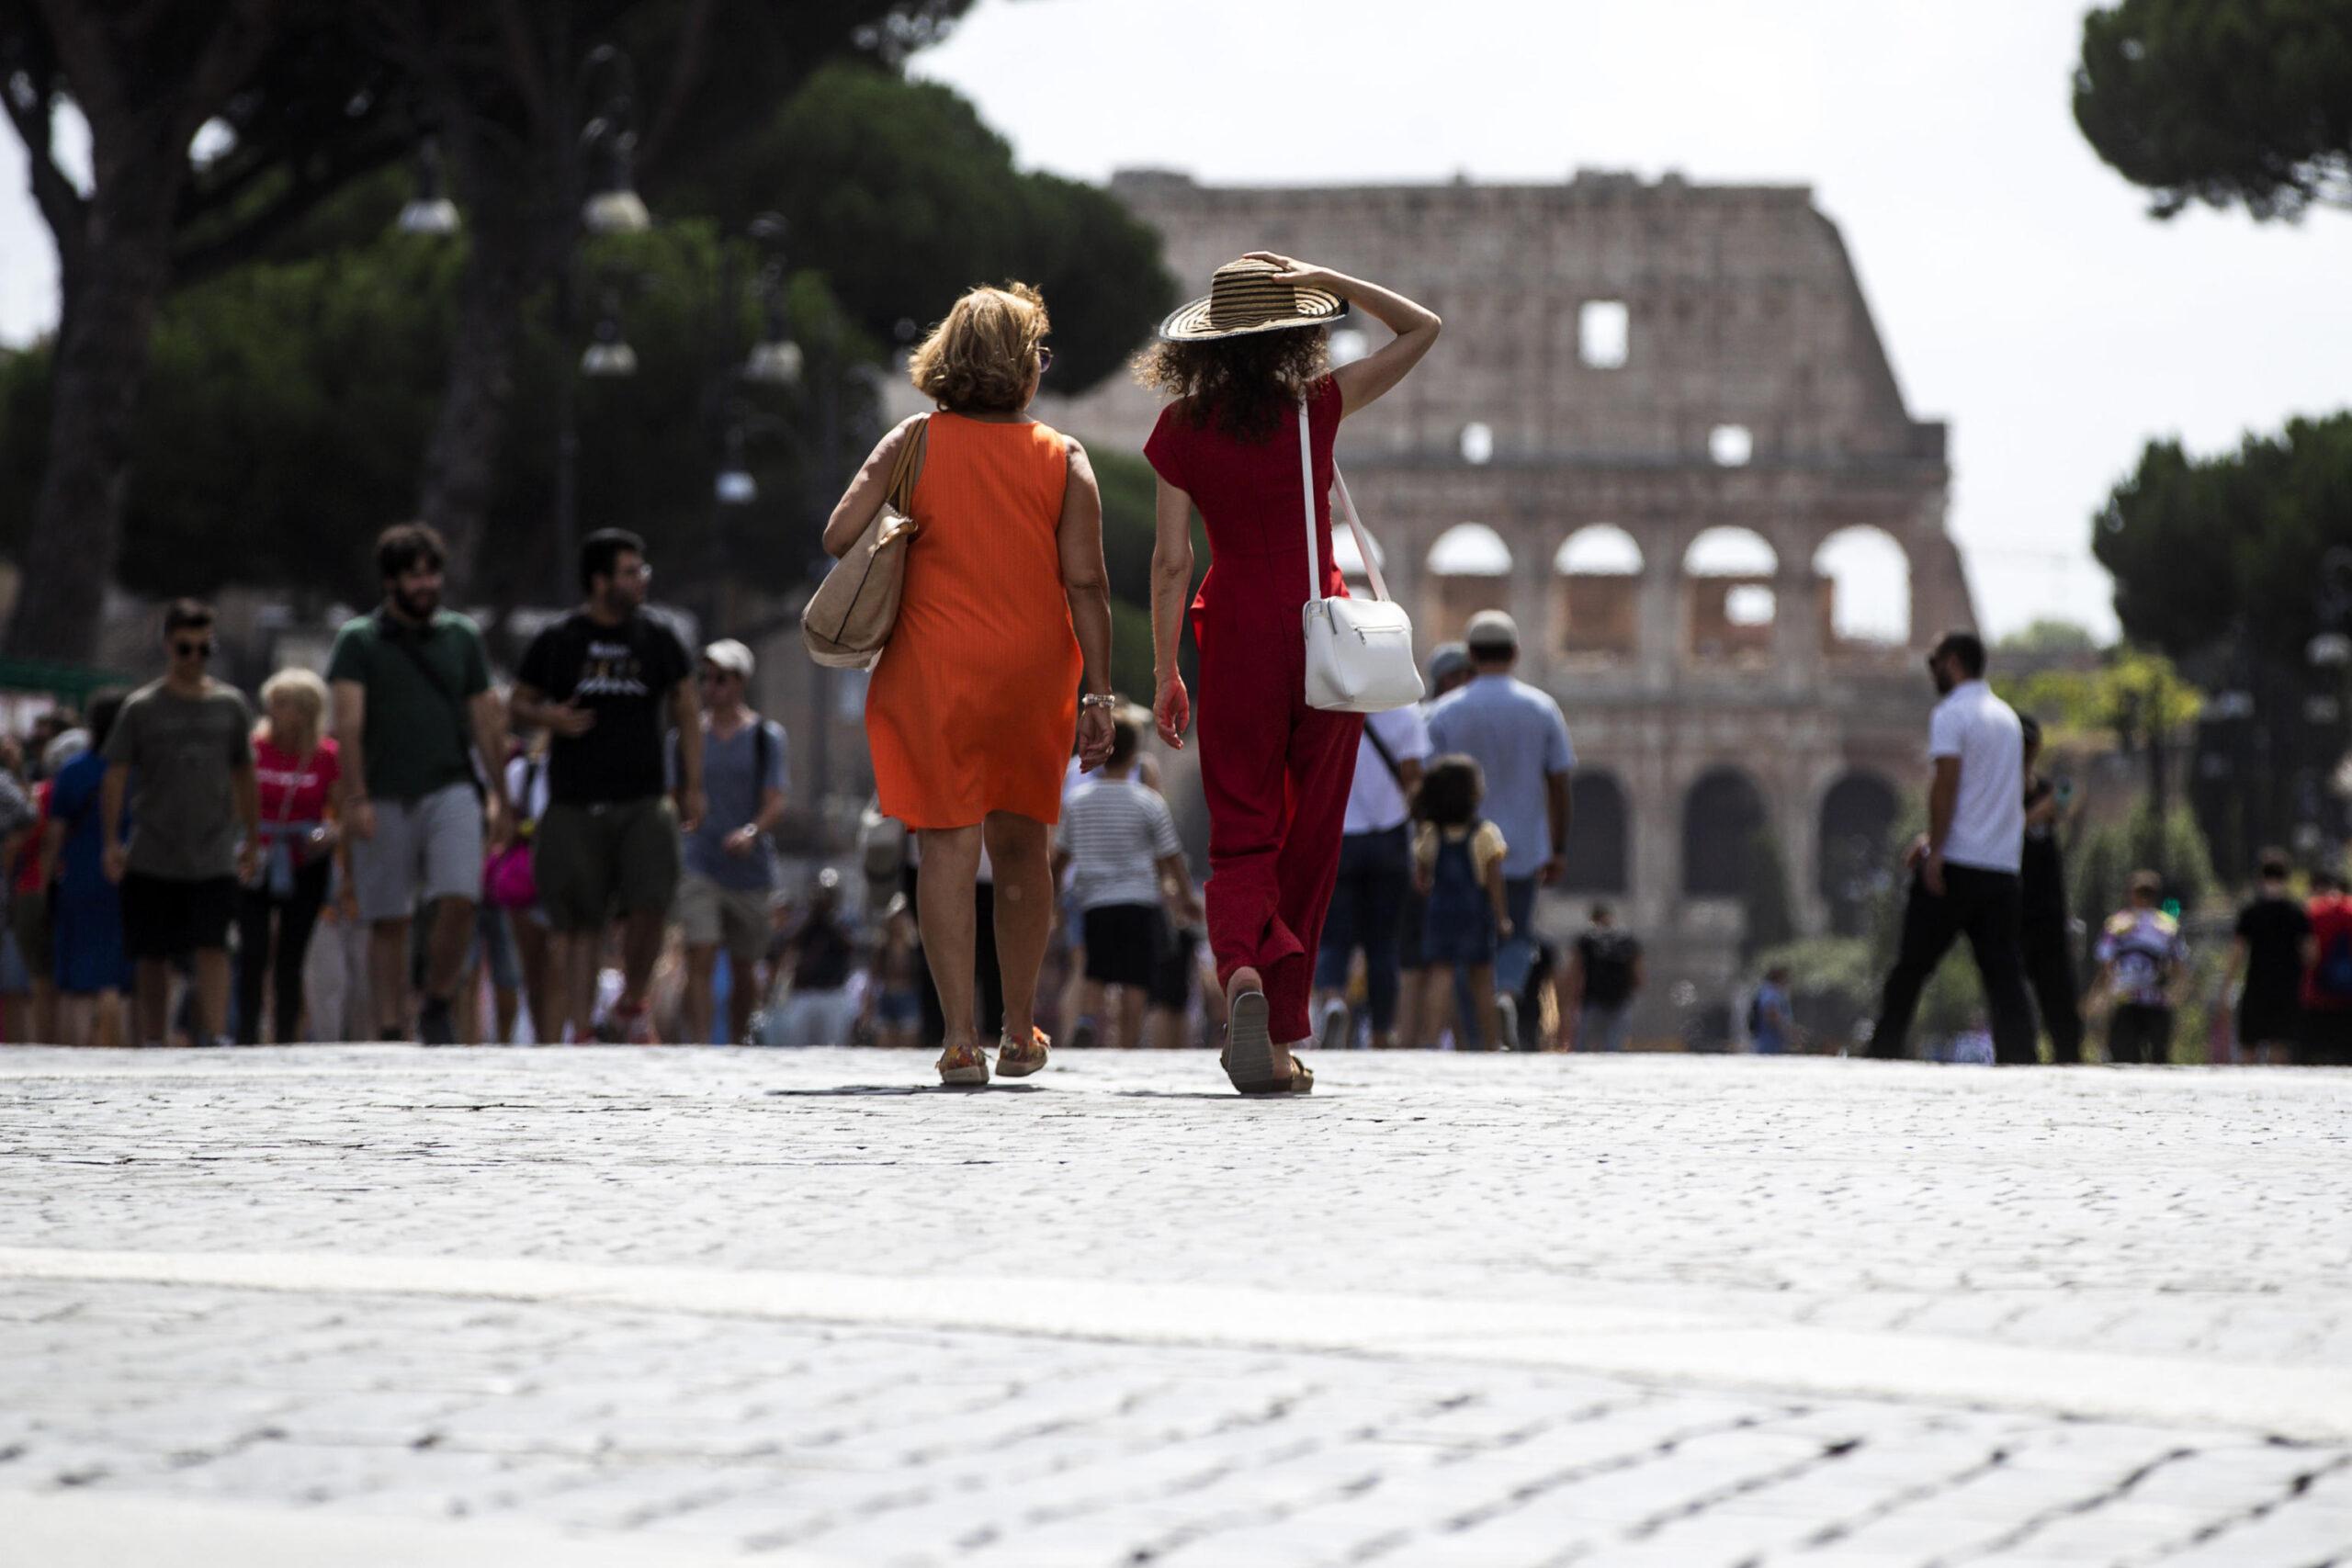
1247 296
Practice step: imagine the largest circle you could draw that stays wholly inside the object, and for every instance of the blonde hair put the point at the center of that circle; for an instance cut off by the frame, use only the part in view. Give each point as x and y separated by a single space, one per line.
985 354
305 690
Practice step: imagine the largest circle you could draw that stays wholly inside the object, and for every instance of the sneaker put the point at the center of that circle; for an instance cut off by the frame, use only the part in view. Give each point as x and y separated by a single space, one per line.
964 1066
1019 1061
435 1026
1336 1022
1506 1023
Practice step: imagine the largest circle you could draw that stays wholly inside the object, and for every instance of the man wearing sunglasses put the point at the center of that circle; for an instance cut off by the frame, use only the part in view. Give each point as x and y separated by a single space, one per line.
730 870
181 754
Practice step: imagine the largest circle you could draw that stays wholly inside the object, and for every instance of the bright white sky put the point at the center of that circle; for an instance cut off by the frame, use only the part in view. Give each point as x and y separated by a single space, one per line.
2021 290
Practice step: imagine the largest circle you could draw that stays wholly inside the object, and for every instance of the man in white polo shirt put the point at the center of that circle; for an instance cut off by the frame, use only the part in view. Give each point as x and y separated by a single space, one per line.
1965 868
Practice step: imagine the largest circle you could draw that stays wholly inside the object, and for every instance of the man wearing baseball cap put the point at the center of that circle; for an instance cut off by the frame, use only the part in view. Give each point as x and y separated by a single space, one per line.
1518 738
727 872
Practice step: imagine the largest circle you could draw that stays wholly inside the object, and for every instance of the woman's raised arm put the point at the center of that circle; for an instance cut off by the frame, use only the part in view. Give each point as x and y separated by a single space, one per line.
1415 327
867 491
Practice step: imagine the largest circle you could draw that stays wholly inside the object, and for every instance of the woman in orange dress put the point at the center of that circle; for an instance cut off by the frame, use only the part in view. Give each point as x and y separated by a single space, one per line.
972 706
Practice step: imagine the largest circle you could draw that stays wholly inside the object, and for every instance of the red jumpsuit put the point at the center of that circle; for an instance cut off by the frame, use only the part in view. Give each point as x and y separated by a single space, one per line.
1276 771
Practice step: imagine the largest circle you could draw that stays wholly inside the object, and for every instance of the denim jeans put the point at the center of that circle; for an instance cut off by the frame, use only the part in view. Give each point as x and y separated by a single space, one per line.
1368 911
1604 1027
1517 956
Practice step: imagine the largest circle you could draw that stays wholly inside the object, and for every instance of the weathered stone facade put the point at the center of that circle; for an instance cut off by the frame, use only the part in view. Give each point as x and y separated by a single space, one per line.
1664 359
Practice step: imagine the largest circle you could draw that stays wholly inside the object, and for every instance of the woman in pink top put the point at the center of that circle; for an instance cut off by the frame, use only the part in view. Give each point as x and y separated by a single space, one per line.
296 766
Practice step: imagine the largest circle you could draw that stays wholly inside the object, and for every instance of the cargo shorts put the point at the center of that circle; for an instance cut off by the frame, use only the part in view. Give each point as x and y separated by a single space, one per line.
594 861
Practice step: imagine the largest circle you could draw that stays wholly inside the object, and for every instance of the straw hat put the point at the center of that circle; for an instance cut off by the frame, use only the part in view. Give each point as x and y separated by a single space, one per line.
1244 297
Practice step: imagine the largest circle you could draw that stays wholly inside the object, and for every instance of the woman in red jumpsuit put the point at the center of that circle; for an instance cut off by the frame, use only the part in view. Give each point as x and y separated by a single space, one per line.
1276 771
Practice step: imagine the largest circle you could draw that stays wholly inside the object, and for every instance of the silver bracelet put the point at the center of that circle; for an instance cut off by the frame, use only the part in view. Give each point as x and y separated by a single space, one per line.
1090 700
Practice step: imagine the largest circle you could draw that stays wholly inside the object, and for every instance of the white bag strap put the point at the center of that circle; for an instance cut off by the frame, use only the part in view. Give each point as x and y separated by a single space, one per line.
1347 508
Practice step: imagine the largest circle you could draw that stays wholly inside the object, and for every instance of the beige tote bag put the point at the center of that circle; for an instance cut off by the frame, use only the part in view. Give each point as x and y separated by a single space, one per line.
848 619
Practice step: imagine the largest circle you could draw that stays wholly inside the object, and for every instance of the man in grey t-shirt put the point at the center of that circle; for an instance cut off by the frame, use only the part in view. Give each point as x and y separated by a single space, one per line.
181 755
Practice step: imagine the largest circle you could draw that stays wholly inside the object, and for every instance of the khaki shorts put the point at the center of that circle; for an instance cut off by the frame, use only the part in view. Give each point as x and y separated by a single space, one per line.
733 918
594 861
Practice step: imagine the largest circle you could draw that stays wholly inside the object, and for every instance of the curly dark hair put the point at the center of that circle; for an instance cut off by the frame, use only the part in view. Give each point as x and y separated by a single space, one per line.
1452 787
1243 385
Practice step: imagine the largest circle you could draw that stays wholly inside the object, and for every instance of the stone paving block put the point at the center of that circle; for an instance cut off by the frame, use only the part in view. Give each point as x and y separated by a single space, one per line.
2187 1224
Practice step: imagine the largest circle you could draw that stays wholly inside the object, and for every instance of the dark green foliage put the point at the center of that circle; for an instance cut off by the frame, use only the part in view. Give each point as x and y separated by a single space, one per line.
2227 102
1130 528
900 194
2197 545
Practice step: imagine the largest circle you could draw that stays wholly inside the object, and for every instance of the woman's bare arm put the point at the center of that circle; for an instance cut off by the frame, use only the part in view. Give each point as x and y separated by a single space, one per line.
1172 584
867 491
1415 327
1085 579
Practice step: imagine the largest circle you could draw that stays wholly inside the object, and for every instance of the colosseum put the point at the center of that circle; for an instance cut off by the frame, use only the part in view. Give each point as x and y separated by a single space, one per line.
1663 433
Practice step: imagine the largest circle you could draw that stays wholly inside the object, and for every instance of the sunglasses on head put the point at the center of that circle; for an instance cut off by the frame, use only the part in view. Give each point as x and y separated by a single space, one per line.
192 649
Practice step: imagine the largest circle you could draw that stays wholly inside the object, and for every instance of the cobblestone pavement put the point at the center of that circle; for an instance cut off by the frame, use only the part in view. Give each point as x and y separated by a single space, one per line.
706 1305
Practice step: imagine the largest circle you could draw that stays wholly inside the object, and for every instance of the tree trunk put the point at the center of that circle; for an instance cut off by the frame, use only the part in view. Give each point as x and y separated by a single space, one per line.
461 461
98 371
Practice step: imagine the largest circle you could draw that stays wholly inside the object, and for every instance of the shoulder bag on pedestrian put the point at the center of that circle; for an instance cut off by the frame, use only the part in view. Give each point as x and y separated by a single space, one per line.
848 618
411 644
1359 651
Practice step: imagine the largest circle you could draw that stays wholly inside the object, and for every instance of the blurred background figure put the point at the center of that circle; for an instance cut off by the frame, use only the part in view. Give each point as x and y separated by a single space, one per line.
2269 950
296 768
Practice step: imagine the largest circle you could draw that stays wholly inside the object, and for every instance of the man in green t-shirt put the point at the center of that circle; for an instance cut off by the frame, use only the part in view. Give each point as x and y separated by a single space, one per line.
413 704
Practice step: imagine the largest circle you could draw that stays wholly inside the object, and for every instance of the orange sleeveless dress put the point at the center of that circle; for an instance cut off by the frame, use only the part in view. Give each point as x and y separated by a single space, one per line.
973 707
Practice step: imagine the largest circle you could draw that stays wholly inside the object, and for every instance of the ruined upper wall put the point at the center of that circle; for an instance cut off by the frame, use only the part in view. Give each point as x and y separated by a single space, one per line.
1743 309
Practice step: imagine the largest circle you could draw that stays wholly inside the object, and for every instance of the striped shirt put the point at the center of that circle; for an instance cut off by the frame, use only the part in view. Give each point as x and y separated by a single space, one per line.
1115 833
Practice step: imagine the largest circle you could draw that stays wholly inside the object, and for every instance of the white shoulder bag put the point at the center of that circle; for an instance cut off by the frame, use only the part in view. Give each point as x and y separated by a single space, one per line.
1359 651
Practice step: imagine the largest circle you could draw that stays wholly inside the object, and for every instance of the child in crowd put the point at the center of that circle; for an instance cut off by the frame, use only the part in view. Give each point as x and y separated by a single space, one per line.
1458 869
1120 844
2141 962
898 980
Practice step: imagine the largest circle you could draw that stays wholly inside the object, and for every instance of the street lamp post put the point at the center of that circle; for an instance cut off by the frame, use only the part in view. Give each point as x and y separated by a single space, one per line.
607 138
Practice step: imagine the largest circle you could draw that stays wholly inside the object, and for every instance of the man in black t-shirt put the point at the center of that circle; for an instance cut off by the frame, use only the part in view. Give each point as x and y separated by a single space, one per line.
2274 932
1603 978
606 681
2046 937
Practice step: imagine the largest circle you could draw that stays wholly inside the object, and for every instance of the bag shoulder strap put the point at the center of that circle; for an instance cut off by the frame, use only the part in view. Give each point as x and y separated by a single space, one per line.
760 747
908 469
1387 757
1347 508
386 632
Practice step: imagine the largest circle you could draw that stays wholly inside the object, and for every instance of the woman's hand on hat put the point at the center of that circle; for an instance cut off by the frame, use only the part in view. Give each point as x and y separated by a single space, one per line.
1304 274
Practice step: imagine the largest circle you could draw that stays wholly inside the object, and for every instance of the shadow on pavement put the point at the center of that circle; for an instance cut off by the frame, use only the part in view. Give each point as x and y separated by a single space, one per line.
889 1088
